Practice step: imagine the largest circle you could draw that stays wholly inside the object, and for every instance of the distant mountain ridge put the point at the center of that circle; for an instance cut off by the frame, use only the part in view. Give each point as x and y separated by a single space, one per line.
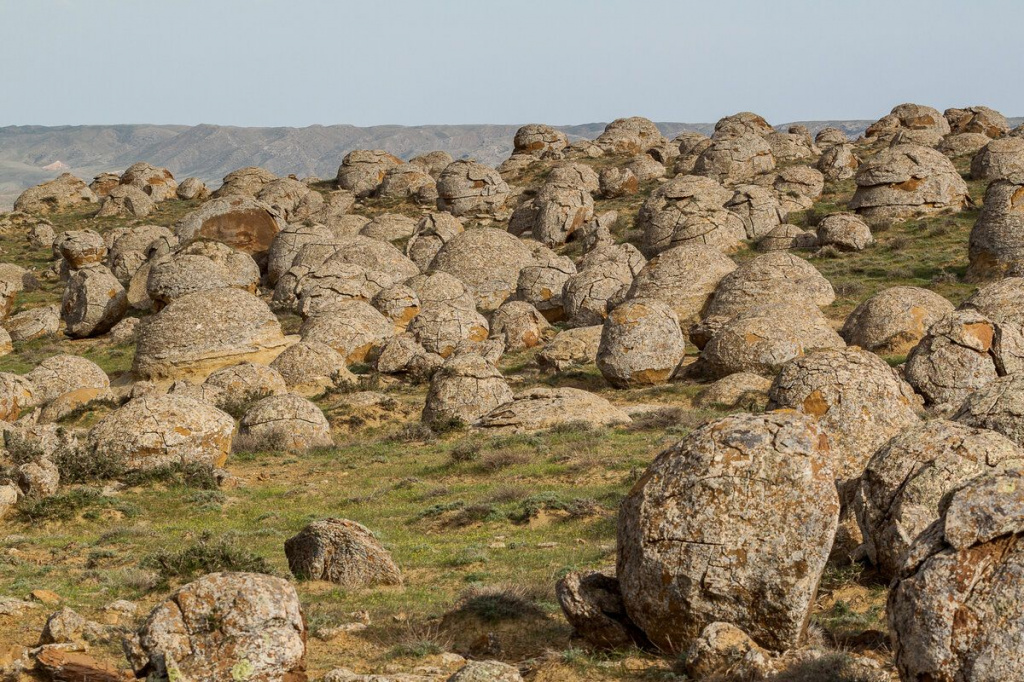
210 152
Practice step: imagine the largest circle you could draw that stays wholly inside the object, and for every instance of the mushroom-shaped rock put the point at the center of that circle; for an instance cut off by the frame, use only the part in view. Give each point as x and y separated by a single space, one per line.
158 430
641 344
441 327
905 181
342 552
902 490
997 240
978 120
287 422
60 374
93 302
689 209
541 286
844 231
838 162
758 208
244 181
239 221
764 338
487 261
157 183
352 327
894 320
538 140
856 397
126 201
309 368
79 248
192 189
571 348
518 325
543 408
246 382
955 358
953 608
592 603
465 388
362 170
735 158
224 626
201 332
59 194
684 277
1001 159
467 188
701 532
34 323
998 405
920 124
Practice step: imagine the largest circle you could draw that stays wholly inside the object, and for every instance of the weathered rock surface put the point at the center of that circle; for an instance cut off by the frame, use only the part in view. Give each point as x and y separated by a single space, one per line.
60 374
362 170
288 421
1001 159
60 194
467 188
351 327
844 231
996 245
342 552
894 320
309 368
998 405
592 603
93 302
464 389
239 221
571 348
641 344
487 261
543 408
956 357
689 209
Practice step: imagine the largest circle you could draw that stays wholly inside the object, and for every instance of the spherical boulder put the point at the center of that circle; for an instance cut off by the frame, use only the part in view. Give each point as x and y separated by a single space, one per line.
518 326
80 248
351 327
844 231
309 368
342 552
408 181
157 183
488 262
362 170
902 490
894 320
736 159
1001 159
465 388
441 327
285 422
701 532
34 323
689 209
996 247
537 139
541 286
389 227
192 189
467 188
571 348
60 374
126 201
641 344
742 123
246 181
245 383
159 430
956 357
237 220
433 231
758 208
920 124
93 302
838 162
785 237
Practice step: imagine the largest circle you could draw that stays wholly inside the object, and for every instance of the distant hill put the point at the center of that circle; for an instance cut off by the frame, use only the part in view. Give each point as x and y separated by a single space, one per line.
210 152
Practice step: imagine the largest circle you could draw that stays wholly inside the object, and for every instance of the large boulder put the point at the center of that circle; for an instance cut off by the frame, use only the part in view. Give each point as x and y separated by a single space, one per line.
838 162
239 221
441 327
488 262
362 170
433 231
1001 159
245 383
544 408
80 248
964 144
60 194
130 250
956 357
293 200
691 145
467 188
60 374
518 326
894 320
286 422
389 227
758 208
351 327
631 135
541 286
246 181
34 323
916 123
204 331
126 201
433 162
998 405
93 302
539 140
905 181
154 431
906 482
342 552
408 181
684 277
464 389
156 183
224 626
953 609
200 266
571 348
997 240
844 231
689 209
558 212
856 397
762 339
734 523
192 189
309 368
976 120
641 344
742 123
735 159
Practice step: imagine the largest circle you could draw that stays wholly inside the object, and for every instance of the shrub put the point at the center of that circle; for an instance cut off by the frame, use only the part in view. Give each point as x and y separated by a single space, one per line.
497 604
84 464
206 555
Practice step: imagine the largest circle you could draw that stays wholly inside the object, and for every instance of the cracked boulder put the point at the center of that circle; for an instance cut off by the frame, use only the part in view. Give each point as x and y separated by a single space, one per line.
362 170
1001 159
351 327
245 383
998 405
408 182
689 209
310 368
544 408
286 422
441 327
224 626
518 326
953 609
894 320
200 266
60 374
838 162
487 261
241 222
701 532
916 123
465 388
342 552
470 189
433 231
541 286
955 358
157 183
997 239
126 201
246 181
632 135
844 231
641 344
907 482
758 208
154 431
735 158
537 139
571 348
93 302
976 120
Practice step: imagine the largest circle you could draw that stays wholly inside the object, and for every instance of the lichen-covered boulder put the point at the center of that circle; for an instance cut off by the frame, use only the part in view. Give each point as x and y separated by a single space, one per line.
351 327
738 158
964 144
309 368
641 344
571 348
433 231
906 181
894 320
700 533
998 405
592 603
293 200
742 389
487 261
541 286
342 552
362 170
246 181
237 220
978 120
953 609
791 146
631 135
224 626
389 227
558 212
618 182
844 231
467 188
93 302
956 357
518 325
538 139
996 245
903 488
59 194
34 323
398 303
433 162
80 248
797 187
1001 159
465 388
245 383
758 208
60 374
192 189
689 209
544 408
838 162
785 237
157 183
130 250
856 397
126 201
764 338
742 123
153 431
204 331
286 422
921 124
828 137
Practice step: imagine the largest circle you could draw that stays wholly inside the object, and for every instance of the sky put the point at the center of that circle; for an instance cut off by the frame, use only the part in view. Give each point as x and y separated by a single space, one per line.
410 62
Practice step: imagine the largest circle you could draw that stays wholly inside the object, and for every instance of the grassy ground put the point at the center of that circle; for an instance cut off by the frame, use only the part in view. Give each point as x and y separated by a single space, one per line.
482 526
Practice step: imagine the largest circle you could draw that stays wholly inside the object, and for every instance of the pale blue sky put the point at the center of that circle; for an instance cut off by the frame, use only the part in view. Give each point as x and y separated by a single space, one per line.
300 62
